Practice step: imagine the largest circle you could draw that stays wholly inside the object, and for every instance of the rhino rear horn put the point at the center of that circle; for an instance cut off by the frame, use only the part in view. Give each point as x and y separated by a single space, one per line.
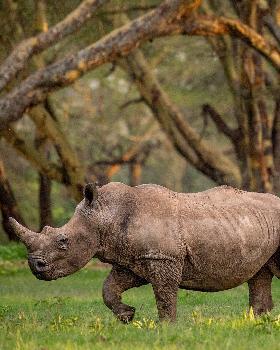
24 234
90 192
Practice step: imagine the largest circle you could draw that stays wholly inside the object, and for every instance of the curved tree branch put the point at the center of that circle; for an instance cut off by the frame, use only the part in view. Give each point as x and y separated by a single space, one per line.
272 26
73 172
201 154
171 17
221 125
210 25
17 60
118 43
36 158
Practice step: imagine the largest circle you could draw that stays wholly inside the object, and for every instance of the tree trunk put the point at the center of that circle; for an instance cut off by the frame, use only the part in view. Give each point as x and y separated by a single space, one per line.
8 204
73 172
276 147
135 171
45 201
257 125
45 213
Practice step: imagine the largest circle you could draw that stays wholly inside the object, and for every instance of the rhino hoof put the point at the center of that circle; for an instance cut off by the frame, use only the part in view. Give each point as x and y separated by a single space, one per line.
127 315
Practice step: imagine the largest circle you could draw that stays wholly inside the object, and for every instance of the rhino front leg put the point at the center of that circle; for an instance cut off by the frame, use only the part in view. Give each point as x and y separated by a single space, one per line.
118 281
260 298
165 278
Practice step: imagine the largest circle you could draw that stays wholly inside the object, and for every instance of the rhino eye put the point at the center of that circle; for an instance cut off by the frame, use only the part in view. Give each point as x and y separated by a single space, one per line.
62 242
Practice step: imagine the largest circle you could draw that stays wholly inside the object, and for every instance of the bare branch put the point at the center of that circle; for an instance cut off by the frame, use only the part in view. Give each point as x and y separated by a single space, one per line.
272 26
118 43
138 150
37 159
130 102
204 156
127 9
17 60
209 25
256 40
219 121
171 17
73 172
139 153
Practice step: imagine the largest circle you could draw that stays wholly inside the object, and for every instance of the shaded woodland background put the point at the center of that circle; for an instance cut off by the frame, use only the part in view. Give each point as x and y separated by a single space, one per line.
179 93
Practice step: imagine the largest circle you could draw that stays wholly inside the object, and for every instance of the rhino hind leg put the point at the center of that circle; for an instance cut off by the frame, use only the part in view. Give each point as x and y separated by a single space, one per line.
260 298
118 281
274 264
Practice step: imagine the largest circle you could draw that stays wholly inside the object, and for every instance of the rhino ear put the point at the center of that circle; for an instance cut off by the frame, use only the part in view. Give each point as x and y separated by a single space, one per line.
90 193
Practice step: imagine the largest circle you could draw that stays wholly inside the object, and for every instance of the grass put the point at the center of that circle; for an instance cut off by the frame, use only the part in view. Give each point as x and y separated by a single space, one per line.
69 314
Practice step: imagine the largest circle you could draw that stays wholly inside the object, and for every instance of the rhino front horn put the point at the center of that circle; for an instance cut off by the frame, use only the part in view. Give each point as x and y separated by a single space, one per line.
90 193
23 233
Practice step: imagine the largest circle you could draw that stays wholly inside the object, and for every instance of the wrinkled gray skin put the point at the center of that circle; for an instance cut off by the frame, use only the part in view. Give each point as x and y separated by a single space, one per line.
208 241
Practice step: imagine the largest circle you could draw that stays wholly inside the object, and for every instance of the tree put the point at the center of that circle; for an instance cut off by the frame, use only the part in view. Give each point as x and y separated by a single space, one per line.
243 34
170 17
8 204
255 138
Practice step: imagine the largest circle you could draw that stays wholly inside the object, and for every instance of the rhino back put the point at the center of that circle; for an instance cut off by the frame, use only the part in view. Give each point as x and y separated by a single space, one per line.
223 218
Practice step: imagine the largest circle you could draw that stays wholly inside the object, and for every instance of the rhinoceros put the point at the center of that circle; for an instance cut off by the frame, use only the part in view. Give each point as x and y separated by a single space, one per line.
208 241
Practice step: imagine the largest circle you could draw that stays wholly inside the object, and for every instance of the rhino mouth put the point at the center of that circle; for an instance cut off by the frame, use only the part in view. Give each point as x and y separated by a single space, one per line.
43 270
44 275
41 277
39 266
48 275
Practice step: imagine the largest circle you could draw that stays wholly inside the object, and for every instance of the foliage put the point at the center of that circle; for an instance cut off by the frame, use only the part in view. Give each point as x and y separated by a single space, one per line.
12 251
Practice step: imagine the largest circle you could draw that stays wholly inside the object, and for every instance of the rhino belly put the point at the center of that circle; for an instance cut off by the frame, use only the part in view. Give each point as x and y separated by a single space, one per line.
222 275
205 283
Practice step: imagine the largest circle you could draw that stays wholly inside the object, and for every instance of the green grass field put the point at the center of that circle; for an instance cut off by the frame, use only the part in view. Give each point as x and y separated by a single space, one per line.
69 314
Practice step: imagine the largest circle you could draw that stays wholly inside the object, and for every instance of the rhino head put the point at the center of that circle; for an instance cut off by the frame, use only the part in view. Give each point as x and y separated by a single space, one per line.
58 252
